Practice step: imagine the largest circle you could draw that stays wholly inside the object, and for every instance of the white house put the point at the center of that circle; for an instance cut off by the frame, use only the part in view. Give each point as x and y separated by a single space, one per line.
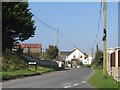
88 60
75 56
60 61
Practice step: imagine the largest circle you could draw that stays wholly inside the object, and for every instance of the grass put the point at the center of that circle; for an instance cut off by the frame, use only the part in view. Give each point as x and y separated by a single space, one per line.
98 81
11 62
25 72
14 66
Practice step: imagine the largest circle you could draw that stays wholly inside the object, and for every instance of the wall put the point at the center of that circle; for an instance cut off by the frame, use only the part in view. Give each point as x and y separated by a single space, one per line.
77 55
87 61
34 52
47 63
40 62
109 51
25 50
60 63
112 63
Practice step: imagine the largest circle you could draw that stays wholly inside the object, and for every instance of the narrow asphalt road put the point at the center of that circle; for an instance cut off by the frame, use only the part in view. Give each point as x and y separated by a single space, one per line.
73 78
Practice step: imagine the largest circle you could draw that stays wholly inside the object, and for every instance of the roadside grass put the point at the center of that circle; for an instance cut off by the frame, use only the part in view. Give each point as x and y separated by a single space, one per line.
98 81
14 66
25 72
11 62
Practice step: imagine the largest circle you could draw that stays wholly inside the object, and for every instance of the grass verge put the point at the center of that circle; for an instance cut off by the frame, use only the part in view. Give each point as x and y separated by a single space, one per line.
26 72
14 66
98 81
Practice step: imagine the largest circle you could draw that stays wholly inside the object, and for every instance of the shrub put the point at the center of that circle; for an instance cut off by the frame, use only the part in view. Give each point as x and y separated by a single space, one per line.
88 66
81 64
69 62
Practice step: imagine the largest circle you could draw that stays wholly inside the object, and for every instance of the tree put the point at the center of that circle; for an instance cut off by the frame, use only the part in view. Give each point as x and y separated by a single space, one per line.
52 52
17 23
98 60
44 55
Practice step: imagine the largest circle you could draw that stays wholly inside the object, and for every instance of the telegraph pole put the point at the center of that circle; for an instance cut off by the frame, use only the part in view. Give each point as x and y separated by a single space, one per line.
104 41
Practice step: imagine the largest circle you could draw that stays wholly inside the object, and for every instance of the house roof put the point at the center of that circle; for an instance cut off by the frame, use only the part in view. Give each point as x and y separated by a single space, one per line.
59 58
65 53
24 45
79 50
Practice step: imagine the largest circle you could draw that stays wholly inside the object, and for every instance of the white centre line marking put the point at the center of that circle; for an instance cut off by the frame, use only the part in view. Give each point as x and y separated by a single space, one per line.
75 84
83 81
67 86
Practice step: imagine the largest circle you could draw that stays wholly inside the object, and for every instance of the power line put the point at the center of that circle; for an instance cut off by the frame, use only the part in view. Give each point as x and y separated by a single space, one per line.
99 16
99 20
54 30
66 39
45 23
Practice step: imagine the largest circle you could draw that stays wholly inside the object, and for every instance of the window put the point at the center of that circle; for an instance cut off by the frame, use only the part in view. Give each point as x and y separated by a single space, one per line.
74 56
81 56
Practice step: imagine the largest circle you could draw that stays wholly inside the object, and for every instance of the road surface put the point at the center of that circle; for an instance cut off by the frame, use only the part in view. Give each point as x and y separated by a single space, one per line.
73 78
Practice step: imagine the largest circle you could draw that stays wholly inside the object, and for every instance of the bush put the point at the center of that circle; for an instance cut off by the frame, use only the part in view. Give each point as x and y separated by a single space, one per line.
81 64
98 60
89 66
69 62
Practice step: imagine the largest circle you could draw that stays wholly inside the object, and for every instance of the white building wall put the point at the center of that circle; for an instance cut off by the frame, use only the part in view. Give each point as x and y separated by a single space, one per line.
78 55
109 51
114 71
87 61
116 55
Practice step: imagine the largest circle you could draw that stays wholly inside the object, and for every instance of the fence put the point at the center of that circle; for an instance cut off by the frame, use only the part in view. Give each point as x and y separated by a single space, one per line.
113 63
47 63
40 62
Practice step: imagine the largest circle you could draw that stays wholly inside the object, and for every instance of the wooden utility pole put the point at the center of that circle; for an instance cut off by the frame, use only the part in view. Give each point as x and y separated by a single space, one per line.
104 40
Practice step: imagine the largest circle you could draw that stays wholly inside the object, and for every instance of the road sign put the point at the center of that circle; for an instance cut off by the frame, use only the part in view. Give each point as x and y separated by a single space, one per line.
32 63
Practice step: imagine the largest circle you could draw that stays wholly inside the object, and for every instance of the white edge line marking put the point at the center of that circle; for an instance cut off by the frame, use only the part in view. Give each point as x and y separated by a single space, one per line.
76 84
83 81
67 86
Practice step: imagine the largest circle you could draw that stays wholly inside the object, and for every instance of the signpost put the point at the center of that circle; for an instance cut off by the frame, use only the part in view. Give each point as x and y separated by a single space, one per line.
33 63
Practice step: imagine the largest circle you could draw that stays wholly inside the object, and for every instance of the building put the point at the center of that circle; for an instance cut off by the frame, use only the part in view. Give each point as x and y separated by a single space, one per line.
65 54
108 63
60 61
88 60
113 63
75 58
31 47
34 50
